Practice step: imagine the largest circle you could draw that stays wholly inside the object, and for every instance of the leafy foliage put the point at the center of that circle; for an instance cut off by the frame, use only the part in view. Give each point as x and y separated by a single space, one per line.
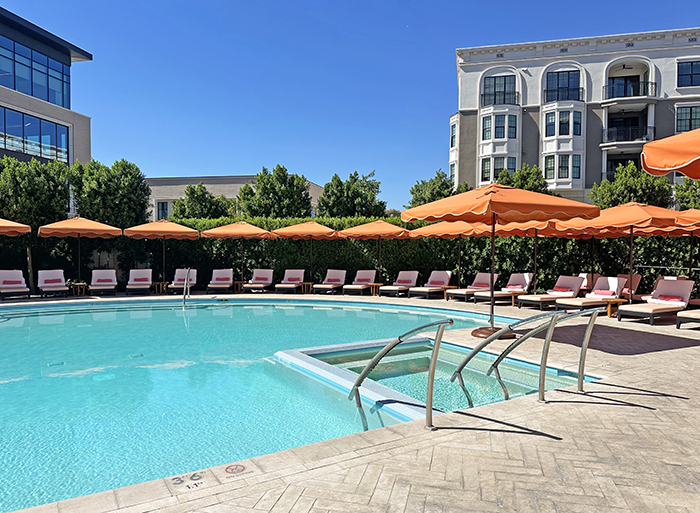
356 196
528 178
276 194
438 187
632 184
688 193
200 203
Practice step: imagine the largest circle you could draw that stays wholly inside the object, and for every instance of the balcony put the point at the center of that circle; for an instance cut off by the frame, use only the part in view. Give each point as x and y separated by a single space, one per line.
628 134
500 98
629 90
563 94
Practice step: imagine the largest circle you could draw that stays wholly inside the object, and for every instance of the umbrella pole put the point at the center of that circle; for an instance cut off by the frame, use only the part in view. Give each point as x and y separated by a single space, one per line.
459 262
241 258
493 264
592 258
163 259
534 273
79 258
379 240
629 284
690 263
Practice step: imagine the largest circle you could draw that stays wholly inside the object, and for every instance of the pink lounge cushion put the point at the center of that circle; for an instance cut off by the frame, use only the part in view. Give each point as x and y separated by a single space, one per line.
666 297
141 279
180 279
481 285
561 289
12 282
403 281
362 280
625 291
515 287
436 283
602 292
333 280
264 279
53 280
221 278
294 278
104 280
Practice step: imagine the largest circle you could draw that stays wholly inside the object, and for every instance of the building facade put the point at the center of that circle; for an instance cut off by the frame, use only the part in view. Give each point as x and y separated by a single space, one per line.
576 108
36 120
166 190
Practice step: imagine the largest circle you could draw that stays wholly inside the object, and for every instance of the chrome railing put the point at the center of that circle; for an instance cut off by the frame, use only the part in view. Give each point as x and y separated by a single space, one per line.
629 90
186 288
563 94
500 98
628 133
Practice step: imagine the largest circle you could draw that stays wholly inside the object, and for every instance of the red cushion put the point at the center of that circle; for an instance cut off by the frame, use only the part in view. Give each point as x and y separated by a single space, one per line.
261 278
602 292
141 279
11 282
104 280
53 280
362 280
665 297
480 285
180 279
561 289
333 280
625 291
435 283
404 281
293 279
221 278
515 287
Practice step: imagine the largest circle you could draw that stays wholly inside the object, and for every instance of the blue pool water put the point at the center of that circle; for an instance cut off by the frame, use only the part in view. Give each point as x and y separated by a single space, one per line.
94 397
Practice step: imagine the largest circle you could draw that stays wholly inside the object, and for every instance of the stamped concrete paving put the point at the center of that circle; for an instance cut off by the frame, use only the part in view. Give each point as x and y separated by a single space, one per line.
631 444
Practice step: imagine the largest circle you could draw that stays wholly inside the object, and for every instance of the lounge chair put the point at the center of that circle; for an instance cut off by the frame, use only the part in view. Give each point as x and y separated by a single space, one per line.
636 278
334 281
436 285
481 283
589 281
605 288
52 283
566 287
361 283
261 280
670 297
12 284
140 281
104 281
644 297
221 280
291 281
687 316
178 283
518 282
404 281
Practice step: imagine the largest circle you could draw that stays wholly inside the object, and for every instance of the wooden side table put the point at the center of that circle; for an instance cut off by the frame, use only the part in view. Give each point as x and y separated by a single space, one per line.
514 294
78 289
306 287
613 301
374 288
238 287
160 287
446 288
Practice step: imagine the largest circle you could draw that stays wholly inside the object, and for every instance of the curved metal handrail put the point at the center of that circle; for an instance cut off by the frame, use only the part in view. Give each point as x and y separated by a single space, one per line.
186 287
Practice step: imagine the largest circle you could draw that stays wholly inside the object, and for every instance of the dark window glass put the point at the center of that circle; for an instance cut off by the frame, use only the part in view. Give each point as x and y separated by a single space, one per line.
7 72
563 166
453 136
452 173
66 95
563 85
23 51
7 53
564 122
577 123
549 167
499 164
54 64
549 125
6 43
486 170
40 85
687 118
499 90
512 127
40 58
13 130
2 127
576 167
23 78
32 135
500 127
511 164
55 74
56 91
62 143
162 210
486 128
48 139
688 74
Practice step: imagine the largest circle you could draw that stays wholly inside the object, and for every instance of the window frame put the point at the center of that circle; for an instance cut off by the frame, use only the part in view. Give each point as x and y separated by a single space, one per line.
497 170
549 171
453 135
564 122
499 126
512 126
576 167
550 126
577 122
514 161
563 159
486 169
486 129
693 75
693 115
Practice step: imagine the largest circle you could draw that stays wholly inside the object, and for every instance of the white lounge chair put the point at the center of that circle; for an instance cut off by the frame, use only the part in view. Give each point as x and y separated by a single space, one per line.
435 285
404 281
261 280
140 281
221 280
518 282
52 283
566 286
178 282
103 281
589 281
481 283
361 283
291 281
334 281
605 288
670 297
12 284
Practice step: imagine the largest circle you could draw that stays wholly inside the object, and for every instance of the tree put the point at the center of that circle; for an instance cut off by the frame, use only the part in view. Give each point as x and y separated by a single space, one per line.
392 212
528 178
632 184
276 194
425 191
688 193
200 203
357 196
118 196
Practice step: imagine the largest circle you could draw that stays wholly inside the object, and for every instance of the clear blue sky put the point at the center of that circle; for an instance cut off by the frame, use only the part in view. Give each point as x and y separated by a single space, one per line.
217 87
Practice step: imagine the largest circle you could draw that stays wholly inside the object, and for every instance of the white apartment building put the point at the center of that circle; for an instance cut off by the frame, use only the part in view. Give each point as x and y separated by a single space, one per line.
577 108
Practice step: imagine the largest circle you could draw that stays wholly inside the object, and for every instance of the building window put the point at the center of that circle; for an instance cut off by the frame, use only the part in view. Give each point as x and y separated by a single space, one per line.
549 167
453 136
33 73
162 210
688 74
486 170
563 166
512 127
452 173
512 162
549 124
576 167
486 128
499 164
499 91
577 123
500 127
37 137
563 85
564 122
687 118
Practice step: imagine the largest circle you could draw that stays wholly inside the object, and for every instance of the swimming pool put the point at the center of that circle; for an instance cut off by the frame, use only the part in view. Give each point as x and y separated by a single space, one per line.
106 394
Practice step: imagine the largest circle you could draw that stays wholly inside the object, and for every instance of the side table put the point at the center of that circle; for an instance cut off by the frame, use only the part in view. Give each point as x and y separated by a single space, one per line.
514 294
238 287
374 288
160 287
613 301
446 288
78 288
306 287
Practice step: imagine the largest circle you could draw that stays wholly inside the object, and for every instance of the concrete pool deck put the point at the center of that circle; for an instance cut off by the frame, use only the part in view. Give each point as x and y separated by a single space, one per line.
632 443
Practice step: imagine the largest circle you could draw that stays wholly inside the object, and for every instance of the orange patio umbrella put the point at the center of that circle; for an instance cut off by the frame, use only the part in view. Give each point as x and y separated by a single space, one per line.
499 203
12 229
162 229
376 230
79 227
676 153
310 230
240 230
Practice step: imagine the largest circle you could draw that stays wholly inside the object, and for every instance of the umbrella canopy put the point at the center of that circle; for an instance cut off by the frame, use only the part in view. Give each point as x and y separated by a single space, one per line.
79 227
621 218
12 229
239 230
162 229
376 230
445 230
676 153
310 230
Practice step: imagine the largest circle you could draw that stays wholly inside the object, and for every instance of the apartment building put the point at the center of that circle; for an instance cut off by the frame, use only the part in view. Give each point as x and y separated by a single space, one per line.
36 120
576 108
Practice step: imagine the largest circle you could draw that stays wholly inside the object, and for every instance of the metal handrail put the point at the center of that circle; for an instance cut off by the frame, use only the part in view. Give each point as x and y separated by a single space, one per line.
354 391
186 287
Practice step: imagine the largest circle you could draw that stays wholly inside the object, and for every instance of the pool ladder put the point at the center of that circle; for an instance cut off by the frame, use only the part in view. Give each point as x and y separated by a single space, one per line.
186 288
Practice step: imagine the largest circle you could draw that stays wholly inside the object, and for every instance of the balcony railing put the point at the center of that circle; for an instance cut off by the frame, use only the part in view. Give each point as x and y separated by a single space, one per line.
628 133
629 89
500 98
563 94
